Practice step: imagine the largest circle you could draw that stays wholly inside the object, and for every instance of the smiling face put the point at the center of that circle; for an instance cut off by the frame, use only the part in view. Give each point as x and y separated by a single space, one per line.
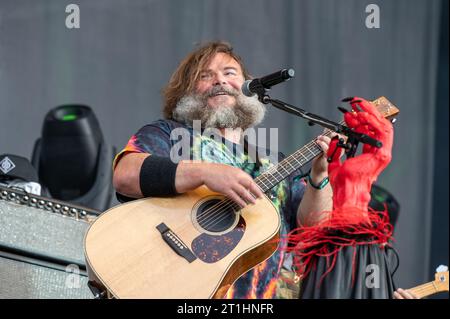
220 81
207 87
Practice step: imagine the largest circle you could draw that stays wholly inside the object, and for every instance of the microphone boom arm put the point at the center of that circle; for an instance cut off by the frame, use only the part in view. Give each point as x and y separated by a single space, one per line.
260 87
353 137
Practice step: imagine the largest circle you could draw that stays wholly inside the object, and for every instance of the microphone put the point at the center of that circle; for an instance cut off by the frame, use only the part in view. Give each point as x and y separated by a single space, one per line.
252 87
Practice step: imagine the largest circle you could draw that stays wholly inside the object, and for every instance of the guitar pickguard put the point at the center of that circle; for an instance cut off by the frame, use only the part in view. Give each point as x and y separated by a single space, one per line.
212 248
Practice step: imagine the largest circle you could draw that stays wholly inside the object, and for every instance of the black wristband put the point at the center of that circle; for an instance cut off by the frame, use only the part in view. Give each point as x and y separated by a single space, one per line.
157 176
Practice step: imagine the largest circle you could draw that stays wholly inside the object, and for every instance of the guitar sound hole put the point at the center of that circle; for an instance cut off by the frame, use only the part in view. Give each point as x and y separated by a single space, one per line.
216 215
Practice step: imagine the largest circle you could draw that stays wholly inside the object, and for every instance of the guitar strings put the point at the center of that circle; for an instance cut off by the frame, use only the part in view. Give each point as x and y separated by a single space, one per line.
223 214
224 205
424 288
202 216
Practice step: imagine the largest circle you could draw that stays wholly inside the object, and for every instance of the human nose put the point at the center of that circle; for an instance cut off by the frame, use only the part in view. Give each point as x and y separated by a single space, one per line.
219 79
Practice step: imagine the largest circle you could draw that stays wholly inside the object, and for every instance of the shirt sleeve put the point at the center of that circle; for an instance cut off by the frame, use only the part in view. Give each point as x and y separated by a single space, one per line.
152 139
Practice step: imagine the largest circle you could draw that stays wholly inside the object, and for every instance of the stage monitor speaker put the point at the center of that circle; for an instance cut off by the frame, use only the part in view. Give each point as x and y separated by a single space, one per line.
32 278
41 247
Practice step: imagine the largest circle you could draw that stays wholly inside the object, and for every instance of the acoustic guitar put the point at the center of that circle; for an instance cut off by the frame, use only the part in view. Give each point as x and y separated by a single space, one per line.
194 245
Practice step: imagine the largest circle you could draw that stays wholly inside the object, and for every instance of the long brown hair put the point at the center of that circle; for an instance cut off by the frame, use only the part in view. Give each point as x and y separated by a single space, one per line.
185 77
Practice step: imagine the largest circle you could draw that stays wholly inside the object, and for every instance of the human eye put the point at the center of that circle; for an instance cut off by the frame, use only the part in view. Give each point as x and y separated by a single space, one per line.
230 72
205 76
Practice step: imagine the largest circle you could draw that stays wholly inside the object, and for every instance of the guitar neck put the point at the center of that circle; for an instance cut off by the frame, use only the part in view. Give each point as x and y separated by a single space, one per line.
290 164
425 290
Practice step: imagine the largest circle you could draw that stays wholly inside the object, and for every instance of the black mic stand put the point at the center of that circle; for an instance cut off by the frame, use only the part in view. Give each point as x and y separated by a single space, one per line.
353 138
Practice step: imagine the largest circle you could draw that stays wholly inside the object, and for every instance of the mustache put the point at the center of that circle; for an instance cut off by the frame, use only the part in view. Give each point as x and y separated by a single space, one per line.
220 89
246 112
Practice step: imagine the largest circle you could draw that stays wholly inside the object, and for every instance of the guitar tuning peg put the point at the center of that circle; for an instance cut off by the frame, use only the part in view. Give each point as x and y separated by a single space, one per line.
347 99
393 120
442 268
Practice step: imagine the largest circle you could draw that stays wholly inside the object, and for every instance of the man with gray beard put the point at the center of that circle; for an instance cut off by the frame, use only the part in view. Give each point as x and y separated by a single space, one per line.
247 112
207 86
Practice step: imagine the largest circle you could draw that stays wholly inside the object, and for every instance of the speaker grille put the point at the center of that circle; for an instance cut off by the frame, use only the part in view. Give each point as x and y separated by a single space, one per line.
41 249
29 281
42 232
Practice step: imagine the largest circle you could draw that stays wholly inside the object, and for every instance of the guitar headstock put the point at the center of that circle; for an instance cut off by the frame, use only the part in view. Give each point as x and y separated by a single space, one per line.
441 278
386 108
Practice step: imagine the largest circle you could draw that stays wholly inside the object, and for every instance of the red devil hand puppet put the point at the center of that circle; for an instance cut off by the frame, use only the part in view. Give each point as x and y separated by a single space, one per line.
351 222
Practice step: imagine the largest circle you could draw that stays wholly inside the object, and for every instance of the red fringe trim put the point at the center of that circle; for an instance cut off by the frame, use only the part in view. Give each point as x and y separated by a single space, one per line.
351 227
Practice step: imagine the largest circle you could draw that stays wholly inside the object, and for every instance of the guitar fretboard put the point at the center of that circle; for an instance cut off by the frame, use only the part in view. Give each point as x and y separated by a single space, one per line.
290 164
425 290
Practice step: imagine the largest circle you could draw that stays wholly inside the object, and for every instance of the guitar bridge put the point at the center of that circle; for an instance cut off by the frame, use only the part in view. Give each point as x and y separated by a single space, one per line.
175 242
